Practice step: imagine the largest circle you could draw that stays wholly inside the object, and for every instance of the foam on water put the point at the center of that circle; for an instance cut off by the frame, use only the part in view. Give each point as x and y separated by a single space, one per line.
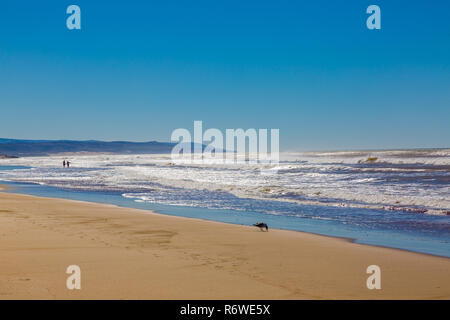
409 180
401 200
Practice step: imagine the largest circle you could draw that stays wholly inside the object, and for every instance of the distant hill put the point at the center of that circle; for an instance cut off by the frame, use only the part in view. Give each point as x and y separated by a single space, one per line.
24 148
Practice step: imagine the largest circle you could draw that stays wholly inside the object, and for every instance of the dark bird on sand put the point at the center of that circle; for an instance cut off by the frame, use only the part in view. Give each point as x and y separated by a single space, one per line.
262 226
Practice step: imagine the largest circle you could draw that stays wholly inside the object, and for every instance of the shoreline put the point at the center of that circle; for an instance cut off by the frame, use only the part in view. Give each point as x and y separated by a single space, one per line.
155 212
356 240
157 256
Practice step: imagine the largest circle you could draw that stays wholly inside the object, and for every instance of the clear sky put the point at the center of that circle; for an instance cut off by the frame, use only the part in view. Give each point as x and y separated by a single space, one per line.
137 70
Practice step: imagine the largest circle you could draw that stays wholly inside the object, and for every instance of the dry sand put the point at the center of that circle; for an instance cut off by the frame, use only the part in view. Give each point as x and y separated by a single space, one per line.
135 254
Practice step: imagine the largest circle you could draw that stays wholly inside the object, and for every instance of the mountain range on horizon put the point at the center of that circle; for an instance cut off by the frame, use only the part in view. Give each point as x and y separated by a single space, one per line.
11 148
24 148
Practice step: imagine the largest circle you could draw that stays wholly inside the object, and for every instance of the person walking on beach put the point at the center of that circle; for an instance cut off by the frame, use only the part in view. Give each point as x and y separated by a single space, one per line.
67 163
64 163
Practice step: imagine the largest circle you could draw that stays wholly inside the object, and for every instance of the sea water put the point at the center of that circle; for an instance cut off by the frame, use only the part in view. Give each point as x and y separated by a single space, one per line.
401 200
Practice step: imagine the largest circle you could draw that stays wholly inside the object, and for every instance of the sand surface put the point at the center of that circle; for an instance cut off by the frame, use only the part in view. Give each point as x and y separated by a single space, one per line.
135 254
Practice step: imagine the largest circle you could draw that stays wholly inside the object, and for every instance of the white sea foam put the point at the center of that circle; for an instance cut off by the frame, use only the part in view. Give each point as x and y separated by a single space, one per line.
405 178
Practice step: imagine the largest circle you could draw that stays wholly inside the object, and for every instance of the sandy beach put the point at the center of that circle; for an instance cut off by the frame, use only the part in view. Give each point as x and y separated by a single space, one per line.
135 254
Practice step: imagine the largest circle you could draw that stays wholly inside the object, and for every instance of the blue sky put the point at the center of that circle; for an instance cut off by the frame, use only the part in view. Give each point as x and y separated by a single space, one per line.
139 69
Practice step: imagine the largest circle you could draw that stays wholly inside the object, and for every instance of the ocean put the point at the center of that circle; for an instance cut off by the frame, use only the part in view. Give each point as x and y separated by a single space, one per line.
394 198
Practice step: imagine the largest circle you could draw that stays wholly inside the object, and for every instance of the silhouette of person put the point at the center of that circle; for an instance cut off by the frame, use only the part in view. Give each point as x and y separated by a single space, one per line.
67 163
64 163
